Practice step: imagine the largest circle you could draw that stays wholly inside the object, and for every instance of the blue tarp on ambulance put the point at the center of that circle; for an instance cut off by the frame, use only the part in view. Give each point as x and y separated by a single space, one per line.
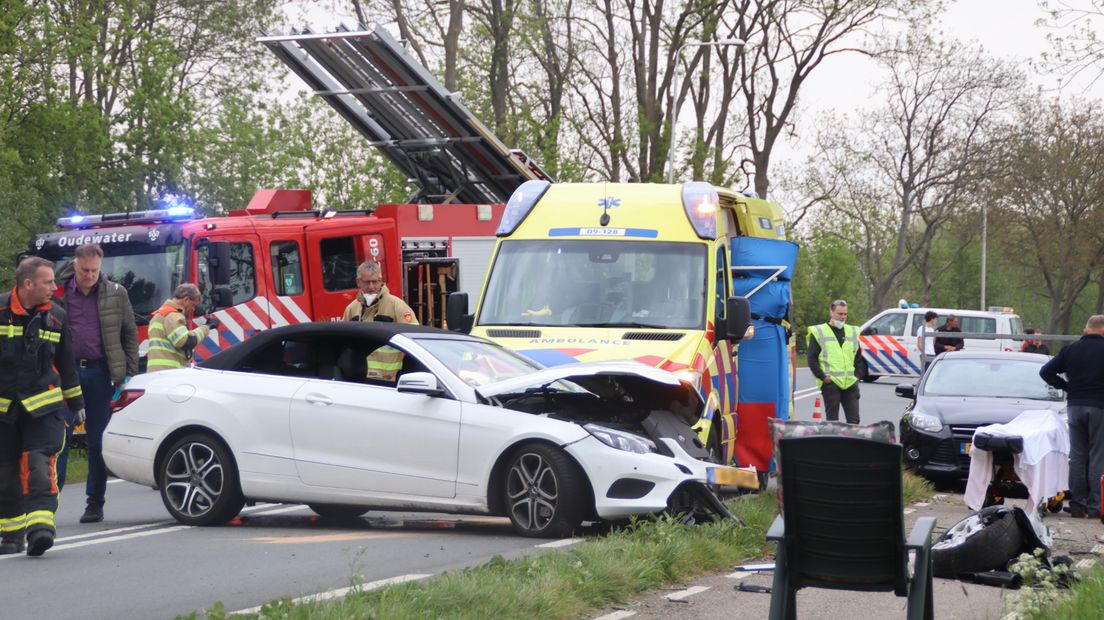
765 371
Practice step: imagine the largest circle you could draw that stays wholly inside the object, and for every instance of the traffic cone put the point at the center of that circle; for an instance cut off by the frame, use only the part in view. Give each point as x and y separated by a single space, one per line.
818 411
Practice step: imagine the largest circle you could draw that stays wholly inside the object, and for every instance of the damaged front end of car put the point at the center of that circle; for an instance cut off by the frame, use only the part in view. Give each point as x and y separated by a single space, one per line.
640 412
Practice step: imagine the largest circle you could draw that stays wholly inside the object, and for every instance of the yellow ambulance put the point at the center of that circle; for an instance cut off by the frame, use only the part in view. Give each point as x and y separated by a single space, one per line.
613 271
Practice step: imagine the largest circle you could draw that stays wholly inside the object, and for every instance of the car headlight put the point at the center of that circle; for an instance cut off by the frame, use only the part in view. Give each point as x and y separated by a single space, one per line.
925 422
622 441
693 377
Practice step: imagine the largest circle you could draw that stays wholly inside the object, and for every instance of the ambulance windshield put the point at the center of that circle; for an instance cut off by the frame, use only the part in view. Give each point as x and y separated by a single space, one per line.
597 283
149 273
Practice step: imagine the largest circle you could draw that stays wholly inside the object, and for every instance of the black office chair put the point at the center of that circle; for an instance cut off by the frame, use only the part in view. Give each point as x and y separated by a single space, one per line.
844 524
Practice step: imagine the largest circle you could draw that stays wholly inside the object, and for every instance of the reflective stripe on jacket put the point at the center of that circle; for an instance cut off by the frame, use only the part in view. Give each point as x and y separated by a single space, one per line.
836 360
385 363
170 341
36 359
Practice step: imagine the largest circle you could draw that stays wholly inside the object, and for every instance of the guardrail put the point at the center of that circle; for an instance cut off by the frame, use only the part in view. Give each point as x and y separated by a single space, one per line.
985 336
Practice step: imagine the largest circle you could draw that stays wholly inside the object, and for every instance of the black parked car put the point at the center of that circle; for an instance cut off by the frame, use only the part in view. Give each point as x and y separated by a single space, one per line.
961 391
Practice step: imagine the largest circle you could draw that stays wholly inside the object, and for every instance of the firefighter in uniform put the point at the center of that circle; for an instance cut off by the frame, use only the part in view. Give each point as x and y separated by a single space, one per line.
37 373
170 342
374 302
834 357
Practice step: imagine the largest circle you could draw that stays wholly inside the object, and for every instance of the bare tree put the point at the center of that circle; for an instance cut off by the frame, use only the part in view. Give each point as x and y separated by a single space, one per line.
788 40
1052 200
910 167
1077 47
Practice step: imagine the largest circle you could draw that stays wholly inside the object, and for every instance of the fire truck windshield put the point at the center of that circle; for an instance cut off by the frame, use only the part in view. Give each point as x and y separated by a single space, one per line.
149 273
597 283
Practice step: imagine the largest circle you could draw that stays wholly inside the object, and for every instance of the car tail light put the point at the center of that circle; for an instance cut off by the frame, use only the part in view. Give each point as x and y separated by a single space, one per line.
125 398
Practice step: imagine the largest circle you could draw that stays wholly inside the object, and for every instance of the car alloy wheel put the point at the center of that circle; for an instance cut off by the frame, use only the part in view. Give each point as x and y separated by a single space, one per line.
199 483
542 492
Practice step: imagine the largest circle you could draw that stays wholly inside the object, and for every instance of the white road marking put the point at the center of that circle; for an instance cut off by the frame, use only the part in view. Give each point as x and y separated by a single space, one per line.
922 504
118 530
909 511
617 615
340 592
806 393
687 593
291 508
740 574
1098 549
108 539
565 542
1085 564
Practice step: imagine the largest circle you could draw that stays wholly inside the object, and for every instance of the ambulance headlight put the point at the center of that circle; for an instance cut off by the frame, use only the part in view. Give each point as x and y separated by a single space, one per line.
522 201
701 202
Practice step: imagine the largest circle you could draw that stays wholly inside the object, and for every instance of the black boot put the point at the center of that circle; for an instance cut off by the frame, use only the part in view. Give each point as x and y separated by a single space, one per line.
12 543
93 513
38 541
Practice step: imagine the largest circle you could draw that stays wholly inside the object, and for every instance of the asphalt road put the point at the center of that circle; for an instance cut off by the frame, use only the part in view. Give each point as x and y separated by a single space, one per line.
878 401
139 563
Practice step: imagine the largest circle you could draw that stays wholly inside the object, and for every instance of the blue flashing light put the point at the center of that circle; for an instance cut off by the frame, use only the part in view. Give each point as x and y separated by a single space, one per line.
76 219
701 202
181 212
521 203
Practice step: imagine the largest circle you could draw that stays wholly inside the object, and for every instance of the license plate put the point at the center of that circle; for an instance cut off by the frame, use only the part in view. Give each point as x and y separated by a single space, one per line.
733 476
964 448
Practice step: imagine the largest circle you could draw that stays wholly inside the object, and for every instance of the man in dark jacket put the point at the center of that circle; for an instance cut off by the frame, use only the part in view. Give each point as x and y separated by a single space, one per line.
1083 364
36 374
947 343
105 345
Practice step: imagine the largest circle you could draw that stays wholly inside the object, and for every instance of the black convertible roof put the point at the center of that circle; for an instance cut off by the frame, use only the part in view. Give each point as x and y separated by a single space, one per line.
231 358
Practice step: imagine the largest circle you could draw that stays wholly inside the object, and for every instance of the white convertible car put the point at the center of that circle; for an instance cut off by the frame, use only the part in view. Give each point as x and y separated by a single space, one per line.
350 417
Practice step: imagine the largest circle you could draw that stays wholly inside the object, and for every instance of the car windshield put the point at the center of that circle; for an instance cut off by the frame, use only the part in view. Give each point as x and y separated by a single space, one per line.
597 283
989 377
478 363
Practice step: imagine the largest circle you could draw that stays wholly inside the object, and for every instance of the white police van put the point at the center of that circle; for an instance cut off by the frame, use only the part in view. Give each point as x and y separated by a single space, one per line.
888 340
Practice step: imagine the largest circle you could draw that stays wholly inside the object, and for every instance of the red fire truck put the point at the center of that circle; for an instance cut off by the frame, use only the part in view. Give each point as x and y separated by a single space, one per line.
279 260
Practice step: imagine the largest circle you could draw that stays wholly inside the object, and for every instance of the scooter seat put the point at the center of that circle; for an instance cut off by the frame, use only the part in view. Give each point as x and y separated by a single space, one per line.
996 443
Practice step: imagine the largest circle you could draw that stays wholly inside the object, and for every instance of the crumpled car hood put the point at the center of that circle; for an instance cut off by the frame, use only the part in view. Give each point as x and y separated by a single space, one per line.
624 380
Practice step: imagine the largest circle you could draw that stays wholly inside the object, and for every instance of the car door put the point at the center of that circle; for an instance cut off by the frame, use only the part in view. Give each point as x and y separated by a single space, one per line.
349 433
883 346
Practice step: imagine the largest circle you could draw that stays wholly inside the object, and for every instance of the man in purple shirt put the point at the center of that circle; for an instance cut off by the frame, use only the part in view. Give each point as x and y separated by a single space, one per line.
105 345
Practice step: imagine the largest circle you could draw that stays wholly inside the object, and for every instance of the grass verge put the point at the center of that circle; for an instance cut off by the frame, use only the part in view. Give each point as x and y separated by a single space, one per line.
611 569
608 570
77 469
1085 600
914 488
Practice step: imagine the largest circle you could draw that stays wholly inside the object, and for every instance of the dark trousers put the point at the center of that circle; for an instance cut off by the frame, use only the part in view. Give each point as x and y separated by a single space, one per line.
28 450
97 389
1086 425
834 397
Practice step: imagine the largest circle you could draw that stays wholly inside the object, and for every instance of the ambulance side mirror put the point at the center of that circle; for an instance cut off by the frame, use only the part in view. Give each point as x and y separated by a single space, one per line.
456 313
218 262
737 318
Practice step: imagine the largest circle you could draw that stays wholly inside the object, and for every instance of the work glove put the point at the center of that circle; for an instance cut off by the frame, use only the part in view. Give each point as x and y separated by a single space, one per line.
78 417
213 322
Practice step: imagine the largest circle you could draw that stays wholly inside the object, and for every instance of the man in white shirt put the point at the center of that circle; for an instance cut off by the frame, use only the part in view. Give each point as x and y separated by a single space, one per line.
925 339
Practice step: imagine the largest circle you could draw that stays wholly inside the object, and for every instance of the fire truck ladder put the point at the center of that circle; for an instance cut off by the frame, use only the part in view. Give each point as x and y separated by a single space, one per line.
371 80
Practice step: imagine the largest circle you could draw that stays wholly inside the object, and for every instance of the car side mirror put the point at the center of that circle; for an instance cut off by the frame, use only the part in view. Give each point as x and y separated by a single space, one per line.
869 331
456 313
906 390
218 262
419 383
222 297
737 318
